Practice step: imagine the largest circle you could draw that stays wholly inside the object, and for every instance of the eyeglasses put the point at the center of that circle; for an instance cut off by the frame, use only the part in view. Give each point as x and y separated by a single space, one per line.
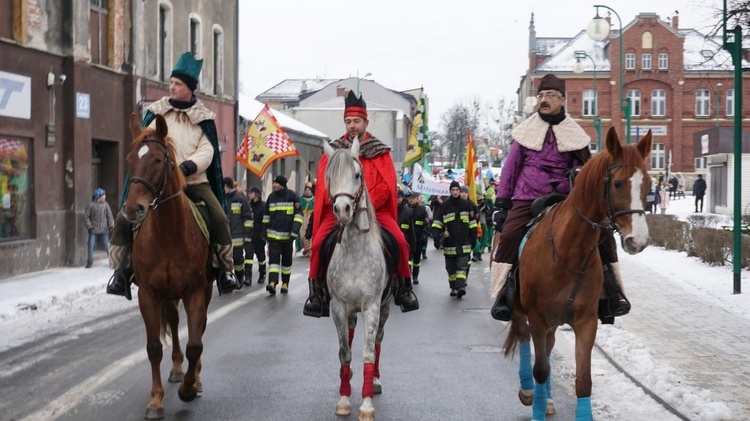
548 95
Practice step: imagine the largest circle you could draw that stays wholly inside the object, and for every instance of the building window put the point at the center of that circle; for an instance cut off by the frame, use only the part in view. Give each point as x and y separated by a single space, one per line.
594 148
657 156
15 221
700 163
730 102
702 103
164 40
218 61
663 61
629 61
589 102
635 102
195 36
658 103
99 23
646 61
647 40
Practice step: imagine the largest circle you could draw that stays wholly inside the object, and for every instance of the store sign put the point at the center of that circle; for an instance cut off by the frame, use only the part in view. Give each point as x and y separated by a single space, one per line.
15 96
642 130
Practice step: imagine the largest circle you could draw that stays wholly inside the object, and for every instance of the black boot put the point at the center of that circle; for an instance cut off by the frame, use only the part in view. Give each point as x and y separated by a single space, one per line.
248 275
240 277
415 276
119 283
615 304
503 308
317 304
226 281
406 298
262 277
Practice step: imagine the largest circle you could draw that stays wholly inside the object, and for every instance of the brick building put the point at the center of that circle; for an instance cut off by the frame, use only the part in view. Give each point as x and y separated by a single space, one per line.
679 80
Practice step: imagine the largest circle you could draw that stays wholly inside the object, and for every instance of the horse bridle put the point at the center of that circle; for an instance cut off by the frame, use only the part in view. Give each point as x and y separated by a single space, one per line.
158 193
356 198
610 224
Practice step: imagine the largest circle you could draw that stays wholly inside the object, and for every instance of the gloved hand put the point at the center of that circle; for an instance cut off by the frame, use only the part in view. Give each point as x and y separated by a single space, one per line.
500 213
188 168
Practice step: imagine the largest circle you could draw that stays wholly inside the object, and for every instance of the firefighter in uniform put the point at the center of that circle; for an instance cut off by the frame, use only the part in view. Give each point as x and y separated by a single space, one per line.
255 242
405 221
239 213
455 218
282 220
422 232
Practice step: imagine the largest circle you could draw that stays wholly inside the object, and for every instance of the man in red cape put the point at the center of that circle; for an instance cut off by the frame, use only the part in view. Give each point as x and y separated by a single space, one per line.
380 177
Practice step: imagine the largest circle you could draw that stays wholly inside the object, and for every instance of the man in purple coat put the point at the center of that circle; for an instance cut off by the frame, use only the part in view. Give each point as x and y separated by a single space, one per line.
546 146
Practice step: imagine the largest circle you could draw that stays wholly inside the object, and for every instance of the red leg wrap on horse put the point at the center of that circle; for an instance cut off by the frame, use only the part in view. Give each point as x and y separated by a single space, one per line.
351 337
346 387
376 373
368 390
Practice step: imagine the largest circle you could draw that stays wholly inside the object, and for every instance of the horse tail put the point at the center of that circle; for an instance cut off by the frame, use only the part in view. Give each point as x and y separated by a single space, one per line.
169 312
511 341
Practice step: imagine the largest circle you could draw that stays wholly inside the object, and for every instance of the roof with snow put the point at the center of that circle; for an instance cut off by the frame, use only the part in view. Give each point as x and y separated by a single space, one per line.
250 108
549 46
702 53
564 58
293 89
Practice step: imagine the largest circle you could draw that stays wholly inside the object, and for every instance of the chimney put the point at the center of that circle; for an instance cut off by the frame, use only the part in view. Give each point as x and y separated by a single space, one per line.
676 20
340 91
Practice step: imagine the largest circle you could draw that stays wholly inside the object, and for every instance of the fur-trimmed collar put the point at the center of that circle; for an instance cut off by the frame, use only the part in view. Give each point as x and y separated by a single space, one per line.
570 136
196 113
370 148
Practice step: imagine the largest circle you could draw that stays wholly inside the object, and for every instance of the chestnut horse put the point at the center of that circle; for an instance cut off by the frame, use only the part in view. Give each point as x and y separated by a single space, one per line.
560 271
171 259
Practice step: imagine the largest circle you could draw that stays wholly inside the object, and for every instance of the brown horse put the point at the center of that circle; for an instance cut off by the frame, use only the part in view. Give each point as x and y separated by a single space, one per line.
171 259
560 270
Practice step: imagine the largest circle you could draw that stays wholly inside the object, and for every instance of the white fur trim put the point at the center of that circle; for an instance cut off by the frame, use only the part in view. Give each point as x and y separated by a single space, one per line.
499 273
570 136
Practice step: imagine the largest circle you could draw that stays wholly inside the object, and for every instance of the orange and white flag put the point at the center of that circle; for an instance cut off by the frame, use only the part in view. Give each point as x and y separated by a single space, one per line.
264 142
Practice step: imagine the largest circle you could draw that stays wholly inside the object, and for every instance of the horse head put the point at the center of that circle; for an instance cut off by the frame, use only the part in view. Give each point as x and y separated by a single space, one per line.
152 168
346 185
626 184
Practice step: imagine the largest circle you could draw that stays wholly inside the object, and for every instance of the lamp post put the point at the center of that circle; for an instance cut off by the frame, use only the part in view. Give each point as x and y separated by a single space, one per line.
598 30
358 79
718 102
733 43
579 68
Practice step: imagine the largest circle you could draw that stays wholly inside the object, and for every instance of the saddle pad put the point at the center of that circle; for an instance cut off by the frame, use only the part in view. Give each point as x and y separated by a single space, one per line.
198 218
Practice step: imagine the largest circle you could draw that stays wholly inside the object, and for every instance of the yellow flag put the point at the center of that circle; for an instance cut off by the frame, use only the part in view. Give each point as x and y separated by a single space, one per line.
264 142
413 150
471 169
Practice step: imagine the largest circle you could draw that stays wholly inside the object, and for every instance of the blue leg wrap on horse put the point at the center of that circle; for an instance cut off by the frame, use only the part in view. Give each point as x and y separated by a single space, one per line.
549 381
583 409
539 406
524 368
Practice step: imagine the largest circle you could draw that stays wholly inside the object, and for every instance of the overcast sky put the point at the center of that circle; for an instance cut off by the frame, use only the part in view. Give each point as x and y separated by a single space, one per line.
456 50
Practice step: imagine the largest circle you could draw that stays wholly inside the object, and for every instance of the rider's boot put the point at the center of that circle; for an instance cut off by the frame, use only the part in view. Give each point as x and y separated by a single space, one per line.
226 279
502 292
623 305
119 259
317 304
406 298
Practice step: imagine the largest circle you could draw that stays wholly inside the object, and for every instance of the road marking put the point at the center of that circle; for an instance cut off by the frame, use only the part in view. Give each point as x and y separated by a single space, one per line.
76 395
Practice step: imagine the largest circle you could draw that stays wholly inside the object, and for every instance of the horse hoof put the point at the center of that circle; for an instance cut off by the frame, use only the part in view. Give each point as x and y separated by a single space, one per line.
526 396
187 396
176 377
343 407
377 386
154 414
366 416
551 407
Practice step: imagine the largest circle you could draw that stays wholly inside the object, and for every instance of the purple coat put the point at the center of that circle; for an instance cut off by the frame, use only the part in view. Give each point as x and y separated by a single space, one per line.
527 173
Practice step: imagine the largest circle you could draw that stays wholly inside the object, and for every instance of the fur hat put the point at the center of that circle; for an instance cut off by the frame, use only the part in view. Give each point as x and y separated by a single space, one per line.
455 184
281 180
188 70
355 107
550 81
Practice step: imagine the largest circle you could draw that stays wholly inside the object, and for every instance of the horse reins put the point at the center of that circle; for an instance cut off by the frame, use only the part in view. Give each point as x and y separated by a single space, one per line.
158 200
356 198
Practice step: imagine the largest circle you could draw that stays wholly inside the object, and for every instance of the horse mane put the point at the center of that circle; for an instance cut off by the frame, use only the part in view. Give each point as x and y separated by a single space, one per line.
176 176
340 161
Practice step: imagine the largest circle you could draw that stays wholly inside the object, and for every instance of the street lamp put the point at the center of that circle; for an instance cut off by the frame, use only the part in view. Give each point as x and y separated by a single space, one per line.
358 79
718 101
579 68
598 30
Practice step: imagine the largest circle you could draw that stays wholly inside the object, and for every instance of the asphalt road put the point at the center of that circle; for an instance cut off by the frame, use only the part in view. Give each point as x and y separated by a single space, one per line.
264 360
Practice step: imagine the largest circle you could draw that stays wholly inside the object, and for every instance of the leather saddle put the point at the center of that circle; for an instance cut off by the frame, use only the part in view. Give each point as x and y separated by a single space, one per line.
390 250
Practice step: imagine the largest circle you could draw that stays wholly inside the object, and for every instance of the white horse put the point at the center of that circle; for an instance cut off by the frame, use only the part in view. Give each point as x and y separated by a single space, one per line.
357 274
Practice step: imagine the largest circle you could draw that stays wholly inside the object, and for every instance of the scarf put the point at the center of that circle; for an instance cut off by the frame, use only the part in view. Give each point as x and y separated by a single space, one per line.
553 119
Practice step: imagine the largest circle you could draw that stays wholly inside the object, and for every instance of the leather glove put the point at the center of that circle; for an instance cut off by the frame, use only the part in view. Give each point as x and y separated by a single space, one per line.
188 168
500 213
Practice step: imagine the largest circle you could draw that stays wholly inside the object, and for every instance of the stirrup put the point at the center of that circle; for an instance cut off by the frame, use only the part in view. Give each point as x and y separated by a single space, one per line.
311 309
408 301
119 283
501 310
